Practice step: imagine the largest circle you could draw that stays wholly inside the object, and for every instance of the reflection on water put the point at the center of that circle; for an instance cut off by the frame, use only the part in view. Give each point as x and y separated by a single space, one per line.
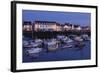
55 49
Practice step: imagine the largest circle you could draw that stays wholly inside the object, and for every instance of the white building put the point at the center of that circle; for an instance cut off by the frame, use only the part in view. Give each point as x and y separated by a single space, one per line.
27 26
44 26
49 26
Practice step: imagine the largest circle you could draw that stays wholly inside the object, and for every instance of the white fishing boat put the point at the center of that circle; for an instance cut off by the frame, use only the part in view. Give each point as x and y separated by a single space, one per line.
25 43
60 37
51 45
34 52
35 44
85 37
38 41
67 46
68 43
78 39
67 40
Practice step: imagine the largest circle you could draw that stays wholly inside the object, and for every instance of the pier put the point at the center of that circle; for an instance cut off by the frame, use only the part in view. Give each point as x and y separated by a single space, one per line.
53 34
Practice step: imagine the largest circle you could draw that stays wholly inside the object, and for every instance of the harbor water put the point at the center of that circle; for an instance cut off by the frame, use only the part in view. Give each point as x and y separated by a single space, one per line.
61 54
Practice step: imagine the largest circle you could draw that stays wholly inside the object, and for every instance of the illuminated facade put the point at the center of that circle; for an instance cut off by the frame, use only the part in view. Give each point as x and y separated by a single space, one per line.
77 27
45 26
50 26
67 26
27 26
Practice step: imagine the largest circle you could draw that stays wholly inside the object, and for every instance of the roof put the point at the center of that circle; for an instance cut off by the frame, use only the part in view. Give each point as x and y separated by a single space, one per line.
58 24
76 25
27 23
85 26
45 22
68 24
51 22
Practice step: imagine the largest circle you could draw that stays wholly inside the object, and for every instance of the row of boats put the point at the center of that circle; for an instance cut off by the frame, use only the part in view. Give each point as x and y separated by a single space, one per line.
35 46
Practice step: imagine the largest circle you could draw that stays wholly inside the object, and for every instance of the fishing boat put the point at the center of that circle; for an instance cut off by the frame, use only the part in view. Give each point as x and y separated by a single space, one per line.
79 44
67 40
85 37
67 46
78 39
36 43
64 38
25 43
51 45
60 37
34 52
72 36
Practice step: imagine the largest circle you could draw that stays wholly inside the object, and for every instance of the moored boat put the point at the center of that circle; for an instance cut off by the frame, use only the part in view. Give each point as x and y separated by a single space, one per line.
51 45
78 39
33 52
79 44
85 37
60 37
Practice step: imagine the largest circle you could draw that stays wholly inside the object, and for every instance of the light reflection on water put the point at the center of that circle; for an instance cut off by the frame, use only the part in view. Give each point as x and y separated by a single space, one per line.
74 53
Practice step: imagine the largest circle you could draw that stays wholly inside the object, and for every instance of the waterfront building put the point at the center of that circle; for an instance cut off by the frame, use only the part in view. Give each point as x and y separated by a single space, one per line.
77 27
59 27
27 26
86 28
45 26
67 26
51 26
